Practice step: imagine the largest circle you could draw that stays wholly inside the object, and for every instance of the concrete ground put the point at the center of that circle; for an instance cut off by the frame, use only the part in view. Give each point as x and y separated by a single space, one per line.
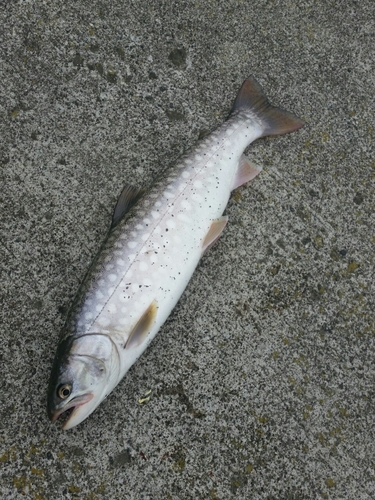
262 379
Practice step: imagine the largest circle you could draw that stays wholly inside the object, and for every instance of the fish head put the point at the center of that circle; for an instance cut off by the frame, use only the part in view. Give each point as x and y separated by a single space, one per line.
84 371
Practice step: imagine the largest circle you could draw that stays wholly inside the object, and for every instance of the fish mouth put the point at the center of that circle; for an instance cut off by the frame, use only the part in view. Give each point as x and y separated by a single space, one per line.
71 408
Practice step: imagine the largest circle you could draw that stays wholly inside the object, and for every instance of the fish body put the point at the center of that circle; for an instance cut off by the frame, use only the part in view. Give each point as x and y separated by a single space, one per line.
150 255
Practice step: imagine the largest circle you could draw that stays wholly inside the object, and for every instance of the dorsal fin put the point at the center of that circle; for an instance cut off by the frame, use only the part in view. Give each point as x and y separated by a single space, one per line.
128 197
142 327
275 121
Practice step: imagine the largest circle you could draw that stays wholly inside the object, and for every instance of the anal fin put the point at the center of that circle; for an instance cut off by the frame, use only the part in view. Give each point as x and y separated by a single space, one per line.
142 327
245 173
217 227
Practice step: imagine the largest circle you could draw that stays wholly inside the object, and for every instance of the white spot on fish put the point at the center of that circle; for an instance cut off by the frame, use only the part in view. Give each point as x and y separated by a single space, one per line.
132 244
185 174
198 184
120 262
143 266
167 195
146 221
112 277
89 315
183 217
111 307
145 236
186 205
139 227
104 320
154 214
197 197
171 224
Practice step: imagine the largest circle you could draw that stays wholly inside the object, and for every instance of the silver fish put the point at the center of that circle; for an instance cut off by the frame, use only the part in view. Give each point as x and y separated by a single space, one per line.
150 255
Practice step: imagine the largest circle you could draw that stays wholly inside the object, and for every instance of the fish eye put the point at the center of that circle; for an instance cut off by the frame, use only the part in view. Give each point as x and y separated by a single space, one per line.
64 391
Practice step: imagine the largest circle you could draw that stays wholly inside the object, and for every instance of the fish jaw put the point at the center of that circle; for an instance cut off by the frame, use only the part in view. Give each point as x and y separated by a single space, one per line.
81 412
75 403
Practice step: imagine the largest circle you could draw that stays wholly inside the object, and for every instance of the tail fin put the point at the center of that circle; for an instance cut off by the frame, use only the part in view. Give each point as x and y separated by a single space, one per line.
275 121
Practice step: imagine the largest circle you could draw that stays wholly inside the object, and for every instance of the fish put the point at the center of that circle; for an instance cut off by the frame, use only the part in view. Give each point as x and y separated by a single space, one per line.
156 240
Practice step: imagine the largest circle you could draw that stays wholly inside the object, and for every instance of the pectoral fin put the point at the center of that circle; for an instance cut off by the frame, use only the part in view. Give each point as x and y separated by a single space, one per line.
128 197
142 327
245 173
214 232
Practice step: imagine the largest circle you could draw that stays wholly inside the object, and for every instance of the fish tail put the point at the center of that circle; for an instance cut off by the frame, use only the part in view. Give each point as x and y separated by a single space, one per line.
275 121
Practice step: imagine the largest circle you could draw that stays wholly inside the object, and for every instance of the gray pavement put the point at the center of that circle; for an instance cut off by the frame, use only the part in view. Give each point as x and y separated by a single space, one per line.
262 378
